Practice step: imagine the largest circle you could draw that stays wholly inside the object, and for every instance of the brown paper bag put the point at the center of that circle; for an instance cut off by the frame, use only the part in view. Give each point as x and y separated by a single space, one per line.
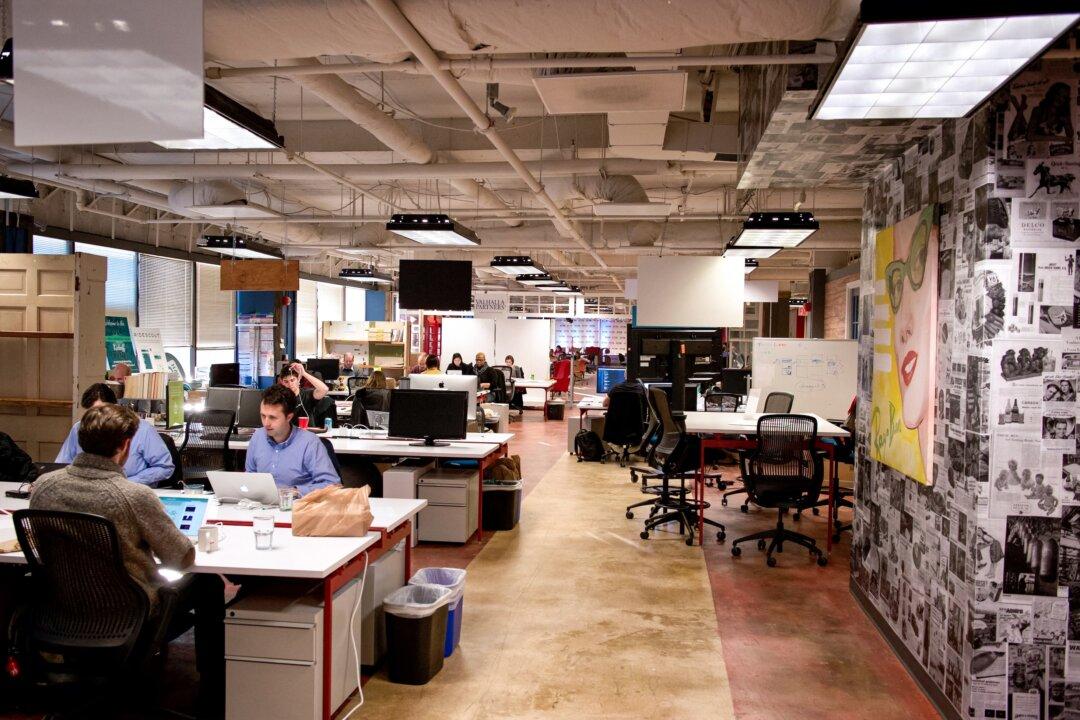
333 511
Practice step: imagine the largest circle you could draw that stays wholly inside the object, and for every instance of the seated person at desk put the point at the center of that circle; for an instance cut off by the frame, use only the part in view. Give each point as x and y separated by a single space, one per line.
516 371
634 386
119 374
421 364
346 369
490 379
456 363
431 366
295 457
313 402
95 483
148 462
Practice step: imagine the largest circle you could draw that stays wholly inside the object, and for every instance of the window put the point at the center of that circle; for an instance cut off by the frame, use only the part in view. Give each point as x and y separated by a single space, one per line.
355 304
307 319
853 312
121 282
51 246
330 306
215 339
165 289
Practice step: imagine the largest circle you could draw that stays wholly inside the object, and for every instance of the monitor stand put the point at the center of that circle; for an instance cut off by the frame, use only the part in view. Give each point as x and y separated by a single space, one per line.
430 442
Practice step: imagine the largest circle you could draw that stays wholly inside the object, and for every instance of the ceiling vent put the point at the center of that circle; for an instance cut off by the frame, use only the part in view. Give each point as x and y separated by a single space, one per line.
580 93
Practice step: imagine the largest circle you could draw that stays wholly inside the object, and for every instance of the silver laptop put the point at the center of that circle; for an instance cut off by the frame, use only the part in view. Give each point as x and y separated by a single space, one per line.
237 486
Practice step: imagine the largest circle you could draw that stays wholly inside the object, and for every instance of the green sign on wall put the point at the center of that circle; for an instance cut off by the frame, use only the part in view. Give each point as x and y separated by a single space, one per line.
118 345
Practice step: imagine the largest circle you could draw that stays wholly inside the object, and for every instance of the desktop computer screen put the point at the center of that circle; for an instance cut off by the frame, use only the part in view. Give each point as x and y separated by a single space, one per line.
428 414
247 414
466 383
328 368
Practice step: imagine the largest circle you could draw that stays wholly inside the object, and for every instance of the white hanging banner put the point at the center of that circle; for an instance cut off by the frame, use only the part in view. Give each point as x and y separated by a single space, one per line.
148 349
494 305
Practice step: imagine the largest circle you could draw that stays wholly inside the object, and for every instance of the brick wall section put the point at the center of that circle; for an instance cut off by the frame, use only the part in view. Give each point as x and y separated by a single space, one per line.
836 309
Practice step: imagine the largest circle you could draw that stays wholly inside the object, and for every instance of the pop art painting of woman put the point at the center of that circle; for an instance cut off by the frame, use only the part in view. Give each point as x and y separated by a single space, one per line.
902 416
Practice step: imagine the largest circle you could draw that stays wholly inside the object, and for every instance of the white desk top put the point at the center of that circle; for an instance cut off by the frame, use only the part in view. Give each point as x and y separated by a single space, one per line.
491 437
539 384
591 403
457 450
727 423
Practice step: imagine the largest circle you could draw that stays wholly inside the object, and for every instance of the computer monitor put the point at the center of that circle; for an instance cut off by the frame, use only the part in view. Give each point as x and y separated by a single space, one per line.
224 374
328 368
247 414
187 513
734 381
465 383
428 414
690 394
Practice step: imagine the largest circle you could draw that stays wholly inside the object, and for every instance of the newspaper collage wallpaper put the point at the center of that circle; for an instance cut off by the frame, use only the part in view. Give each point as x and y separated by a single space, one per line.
978 572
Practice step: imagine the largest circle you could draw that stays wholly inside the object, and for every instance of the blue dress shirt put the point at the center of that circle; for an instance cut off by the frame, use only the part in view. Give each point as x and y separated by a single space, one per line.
148 463
300 461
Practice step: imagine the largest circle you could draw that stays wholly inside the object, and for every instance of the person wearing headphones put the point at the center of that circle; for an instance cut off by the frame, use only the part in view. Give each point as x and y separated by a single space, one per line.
308 402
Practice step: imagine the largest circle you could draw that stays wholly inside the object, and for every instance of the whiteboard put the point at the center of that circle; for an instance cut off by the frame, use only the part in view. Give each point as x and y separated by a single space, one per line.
528 341
467 336
821 374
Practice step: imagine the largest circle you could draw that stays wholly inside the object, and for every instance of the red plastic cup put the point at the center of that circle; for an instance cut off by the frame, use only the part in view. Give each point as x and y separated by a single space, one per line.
303 422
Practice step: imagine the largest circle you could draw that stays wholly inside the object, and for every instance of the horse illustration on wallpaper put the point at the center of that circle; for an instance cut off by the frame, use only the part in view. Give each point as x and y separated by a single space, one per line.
902 417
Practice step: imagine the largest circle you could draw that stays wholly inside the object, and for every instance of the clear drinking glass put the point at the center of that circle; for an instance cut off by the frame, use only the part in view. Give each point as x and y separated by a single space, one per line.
263 524
286 496
194 489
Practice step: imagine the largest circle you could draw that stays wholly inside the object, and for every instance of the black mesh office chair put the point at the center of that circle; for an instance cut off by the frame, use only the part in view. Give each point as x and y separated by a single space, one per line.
675 458
775 403
206 443
784 472
624 424
329 447
88 617
176 480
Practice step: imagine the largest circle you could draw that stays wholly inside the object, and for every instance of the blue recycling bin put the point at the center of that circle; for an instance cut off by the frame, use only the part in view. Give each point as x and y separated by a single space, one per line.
454 579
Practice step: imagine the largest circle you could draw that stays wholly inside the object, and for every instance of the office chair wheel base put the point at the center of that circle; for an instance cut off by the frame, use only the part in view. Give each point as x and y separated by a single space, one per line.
629 515
815 511
836 538
744 508
723 501
644 534
822 561
690 541
736 551
770 561
760 544
720 536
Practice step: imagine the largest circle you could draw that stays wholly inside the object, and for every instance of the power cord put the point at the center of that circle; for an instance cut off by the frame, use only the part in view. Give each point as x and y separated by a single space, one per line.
352 638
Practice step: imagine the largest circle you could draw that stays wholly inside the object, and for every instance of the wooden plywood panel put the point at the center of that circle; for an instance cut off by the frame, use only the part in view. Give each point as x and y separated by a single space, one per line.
40 435
12 318
55 319
12 281
260 275
55 282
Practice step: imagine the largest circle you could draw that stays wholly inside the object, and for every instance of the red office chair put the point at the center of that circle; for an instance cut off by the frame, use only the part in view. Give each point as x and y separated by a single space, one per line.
561 376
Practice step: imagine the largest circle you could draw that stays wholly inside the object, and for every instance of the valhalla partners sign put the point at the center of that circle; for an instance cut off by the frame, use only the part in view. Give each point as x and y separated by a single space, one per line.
491 304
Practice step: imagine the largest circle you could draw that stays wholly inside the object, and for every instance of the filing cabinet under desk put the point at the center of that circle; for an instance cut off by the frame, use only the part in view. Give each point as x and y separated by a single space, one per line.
452 495
400 480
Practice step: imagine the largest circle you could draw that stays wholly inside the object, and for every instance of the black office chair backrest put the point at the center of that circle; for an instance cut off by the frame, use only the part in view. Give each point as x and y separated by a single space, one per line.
778 402
669 454
176 480
375 399
86 600
355 383
329 446
651 438
716 401
784 468
206 439
624 422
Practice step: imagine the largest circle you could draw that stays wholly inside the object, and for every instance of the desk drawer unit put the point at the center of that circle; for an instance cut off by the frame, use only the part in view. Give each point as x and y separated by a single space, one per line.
452 497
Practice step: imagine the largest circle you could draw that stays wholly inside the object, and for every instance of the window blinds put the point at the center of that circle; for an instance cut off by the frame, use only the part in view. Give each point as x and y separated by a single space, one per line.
355 304
121 281
307 319
165 298
51 246
216 317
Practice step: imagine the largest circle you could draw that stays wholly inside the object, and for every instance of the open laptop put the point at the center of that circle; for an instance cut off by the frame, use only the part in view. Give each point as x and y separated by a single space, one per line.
237 486
187 513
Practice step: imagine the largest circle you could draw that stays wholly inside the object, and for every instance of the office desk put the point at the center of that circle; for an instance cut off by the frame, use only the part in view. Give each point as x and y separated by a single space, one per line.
544 385
590 403
723 430
484 452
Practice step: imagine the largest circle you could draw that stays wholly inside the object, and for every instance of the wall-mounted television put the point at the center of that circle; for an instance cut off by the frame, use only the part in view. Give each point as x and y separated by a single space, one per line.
435 285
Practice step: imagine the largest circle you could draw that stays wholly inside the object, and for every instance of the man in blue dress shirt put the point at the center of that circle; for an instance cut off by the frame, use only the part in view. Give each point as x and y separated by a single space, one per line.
149 461
295 457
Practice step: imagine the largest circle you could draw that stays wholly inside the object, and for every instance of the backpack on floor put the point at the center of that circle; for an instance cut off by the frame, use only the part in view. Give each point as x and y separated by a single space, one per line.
588 447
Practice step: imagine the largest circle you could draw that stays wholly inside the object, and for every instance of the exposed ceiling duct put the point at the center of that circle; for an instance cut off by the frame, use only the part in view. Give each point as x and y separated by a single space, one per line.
246 30
616 189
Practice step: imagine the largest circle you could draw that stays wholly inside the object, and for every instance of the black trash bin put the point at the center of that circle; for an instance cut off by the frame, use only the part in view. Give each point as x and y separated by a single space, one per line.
502 505
415 632
556 410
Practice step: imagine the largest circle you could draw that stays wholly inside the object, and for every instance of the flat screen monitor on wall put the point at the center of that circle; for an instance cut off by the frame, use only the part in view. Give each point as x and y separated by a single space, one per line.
435 285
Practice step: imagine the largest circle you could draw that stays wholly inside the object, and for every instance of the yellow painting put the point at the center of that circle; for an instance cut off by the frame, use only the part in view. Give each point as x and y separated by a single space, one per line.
905 337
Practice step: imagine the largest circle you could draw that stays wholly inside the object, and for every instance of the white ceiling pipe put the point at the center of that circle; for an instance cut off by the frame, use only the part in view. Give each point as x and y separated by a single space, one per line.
492 65
400 25
372 173
345 98
485 217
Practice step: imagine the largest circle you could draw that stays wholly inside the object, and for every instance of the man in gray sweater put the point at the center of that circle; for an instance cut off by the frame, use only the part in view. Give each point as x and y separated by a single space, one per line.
95 483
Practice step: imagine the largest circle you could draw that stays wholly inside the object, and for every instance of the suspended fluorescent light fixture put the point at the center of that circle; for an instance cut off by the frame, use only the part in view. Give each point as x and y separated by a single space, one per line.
535 279
935 60
238 247
11 189
365 274
776 229
516 265
561 288
432 230
750 266
747 251
228 125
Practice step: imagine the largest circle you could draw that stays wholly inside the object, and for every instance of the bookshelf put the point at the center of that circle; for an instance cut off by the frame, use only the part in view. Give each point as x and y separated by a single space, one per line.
374 343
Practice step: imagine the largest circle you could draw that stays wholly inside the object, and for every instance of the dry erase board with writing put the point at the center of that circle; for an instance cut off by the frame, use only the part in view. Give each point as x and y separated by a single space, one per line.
821 374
